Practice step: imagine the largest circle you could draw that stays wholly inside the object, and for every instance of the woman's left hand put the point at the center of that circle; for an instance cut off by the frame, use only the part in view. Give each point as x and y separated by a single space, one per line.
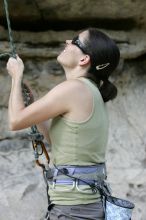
15 67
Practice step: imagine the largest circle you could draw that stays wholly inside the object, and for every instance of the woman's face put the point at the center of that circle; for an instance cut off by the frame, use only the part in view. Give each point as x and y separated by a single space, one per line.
73 51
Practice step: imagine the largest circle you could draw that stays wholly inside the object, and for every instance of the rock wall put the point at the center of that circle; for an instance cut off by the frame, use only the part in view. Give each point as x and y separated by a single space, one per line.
126 14
39 31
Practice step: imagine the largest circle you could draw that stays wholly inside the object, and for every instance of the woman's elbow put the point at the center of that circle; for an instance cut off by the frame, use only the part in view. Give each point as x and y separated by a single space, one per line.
14 126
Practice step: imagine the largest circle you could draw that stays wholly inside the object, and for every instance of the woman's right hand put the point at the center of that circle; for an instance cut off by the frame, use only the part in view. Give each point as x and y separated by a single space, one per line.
15 67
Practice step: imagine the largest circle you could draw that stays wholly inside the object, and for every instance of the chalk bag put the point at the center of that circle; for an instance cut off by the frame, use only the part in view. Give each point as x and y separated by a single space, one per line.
117 209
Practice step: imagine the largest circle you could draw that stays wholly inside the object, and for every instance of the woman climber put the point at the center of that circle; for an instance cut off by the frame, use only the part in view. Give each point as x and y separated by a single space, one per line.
79 128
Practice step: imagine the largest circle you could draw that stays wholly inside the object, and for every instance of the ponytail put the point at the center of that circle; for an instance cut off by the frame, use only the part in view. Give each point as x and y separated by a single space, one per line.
108 91
104 58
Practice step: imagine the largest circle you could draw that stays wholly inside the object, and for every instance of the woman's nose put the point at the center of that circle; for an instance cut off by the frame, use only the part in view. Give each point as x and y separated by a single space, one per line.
68 41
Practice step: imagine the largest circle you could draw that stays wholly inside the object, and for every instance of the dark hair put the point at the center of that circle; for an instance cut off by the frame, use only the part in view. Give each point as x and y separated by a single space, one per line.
104 55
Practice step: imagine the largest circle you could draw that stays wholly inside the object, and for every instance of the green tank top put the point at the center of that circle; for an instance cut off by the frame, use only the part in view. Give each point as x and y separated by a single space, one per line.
81 144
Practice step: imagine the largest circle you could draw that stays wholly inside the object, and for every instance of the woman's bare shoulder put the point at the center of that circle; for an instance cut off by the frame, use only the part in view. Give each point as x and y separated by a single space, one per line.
68 86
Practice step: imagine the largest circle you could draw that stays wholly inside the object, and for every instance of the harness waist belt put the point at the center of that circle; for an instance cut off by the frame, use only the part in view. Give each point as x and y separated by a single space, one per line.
74 176
99 168
66 174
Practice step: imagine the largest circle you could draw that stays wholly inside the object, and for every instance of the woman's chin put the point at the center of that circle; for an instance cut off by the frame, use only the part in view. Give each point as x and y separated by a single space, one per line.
60 58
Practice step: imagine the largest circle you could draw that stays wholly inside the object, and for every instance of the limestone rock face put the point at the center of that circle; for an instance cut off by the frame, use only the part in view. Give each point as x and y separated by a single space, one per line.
40 29
126 13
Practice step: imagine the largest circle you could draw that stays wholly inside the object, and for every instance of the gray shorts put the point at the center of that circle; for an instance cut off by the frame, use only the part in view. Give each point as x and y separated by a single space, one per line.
92 211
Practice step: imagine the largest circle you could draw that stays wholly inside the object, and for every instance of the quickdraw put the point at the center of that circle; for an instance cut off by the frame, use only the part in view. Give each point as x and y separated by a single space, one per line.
34 135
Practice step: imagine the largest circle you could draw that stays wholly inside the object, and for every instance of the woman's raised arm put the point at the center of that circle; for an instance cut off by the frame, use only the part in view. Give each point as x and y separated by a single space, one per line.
54 103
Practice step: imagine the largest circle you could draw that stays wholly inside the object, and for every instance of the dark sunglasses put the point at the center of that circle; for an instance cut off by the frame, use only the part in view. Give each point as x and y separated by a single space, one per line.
79 44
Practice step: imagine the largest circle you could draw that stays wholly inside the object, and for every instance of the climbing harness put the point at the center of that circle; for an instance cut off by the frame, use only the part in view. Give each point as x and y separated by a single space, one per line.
114 208
74 176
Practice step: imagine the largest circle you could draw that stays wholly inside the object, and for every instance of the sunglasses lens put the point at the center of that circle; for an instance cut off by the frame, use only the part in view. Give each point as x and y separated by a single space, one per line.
74 40
78 43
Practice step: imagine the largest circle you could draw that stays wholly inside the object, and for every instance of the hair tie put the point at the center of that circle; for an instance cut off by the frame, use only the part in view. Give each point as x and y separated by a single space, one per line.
105 80
102 66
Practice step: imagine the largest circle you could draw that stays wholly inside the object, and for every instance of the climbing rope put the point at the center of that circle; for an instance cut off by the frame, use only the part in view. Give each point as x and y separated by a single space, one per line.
34 135
11 42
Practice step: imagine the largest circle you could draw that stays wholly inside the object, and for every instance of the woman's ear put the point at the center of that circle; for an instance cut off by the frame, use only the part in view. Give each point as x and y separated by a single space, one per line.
84 60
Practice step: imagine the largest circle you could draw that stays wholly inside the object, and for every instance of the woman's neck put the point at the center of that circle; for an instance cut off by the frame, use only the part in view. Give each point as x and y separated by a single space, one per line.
75 73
